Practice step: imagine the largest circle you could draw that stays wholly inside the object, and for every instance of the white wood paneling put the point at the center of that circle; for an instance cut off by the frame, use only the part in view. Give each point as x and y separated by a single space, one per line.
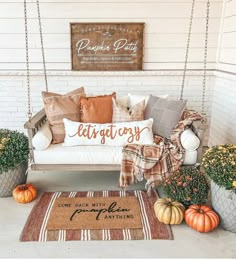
166 28
227 48
222 127
175 9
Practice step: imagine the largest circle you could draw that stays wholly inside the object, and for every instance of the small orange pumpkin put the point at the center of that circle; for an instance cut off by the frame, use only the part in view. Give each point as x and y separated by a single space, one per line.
24 193
201 218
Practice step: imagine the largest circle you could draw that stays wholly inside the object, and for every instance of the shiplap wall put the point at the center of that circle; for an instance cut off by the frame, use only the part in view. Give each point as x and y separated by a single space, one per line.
166 28
223 116
227 49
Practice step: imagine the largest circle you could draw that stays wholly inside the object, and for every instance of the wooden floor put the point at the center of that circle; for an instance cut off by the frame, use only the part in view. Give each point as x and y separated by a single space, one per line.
187 243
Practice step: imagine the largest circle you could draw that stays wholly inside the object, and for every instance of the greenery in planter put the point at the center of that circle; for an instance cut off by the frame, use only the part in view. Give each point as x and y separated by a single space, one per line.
14 149
188 186
219 163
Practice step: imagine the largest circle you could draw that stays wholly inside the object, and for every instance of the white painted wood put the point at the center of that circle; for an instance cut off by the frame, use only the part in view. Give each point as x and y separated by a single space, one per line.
227 48
164 25
230 24
166 28
101 10
229 55
229 40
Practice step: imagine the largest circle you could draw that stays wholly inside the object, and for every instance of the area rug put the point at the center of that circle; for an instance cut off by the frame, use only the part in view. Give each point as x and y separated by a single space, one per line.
95 215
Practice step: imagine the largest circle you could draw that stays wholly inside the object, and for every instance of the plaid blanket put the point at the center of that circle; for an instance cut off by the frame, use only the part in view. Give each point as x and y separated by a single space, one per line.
158 161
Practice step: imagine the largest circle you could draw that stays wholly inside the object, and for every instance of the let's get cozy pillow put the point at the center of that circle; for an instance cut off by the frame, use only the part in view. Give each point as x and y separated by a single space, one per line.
114 134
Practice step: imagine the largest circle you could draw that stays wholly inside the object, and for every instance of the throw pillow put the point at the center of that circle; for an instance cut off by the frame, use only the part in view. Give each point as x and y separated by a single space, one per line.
46 94
135 99
166 114
125 114
189 140
59 107
42 139
97 109
117 134
123 101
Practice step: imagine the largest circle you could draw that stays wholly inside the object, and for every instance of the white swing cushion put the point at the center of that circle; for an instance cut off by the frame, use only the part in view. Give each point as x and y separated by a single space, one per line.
42 138
81 154
90 154
189 140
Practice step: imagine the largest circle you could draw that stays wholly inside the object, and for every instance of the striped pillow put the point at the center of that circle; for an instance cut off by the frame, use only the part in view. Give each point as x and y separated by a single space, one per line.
125 114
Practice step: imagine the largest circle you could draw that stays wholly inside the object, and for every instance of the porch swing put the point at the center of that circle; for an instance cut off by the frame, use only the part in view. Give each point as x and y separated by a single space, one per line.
34 123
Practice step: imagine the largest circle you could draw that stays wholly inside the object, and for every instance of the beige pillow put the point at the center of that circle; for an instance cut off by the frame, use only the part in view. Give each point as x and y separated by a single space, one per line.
46 94
125 114
59 107
97 109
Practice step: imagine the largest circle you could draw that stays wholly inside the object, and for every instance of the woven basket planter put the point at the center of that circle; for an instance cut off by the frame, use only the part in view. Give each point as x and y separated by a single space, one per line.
224 203
10 179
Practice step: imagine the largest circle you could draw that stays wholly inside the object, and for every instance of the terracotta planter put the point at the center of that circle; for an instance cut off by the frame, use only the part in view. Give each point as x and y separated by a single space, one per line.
224 203
10 179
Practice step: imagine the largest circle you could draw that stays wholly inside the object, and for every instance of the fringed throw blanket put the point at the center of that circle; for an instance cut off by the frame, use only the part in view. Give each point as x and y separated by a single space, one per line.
158 161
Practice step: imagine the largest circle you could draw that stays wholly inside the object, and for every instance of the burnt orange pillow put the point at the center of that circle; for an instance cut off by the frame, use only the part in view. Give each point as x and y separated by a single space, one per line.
97 109
58 107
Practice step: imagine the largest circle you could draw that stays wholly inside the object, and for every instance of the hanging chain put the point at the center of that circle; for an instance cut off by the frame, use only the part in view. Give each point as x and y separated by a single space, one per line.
205 61
27 60
42 46
187 50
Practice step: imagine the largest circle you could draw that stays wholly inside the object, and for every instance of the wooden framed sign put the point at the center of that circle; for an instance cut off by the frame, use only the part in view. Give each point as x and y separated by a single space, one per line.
107 46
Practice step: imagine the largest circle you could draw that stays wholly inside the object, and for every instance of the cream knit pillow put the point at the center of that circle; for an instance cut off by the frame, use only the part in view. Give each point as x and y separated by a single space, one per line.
125 114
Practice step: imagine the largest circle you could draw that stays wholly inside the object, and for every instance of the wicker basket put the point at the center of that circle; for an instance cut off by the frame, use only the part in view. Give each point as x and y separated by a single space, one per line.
10 179
224 203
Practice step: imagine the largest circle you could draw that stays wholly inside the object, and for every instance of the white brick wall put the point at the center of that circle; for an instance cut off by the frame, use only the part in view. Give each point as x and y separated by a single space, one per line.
13 90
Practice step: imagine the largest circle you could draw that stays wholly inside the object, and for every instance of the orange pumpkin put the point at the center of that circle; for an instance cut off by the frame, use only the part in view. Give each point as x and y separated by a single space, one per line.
201 218
24 193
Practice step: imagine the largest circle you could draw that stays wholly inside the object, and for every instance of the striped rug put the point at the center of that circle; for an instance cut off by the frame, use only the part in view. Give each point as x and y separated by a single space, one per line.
36 226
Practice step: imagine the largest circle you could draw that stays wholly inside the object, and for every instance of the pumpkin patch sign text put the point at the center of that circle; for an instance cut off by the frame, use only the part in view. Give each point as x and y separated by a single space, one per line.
107 46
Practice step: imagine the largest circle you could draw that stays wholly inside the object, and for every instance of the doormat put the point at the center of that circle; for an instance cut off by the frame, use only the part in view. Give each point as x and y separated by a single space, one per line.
95 215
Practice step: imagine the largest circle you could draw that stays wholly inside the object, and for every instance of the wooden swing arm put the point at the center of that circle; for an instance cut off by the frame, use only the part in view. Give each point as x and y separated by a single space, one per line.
33 125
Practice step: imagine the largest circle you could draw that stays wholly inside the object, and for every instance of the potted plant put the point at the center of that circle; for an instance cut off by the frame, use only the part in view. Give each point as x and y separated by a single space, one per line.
14 152
188 186
219 163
